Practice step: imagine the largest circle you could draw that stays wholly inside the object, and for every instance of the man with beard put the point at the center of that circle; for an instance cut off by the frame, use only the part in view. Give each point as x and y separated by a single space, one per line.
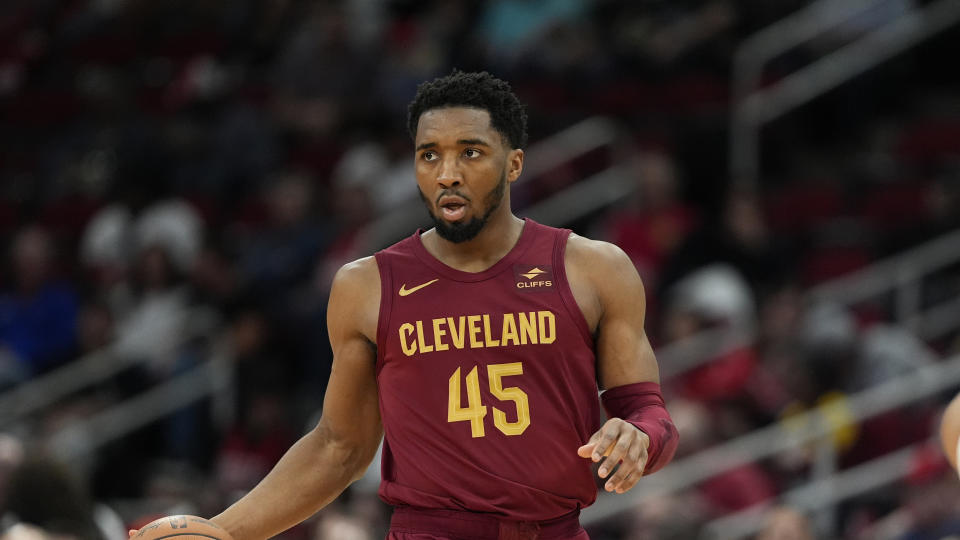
476 349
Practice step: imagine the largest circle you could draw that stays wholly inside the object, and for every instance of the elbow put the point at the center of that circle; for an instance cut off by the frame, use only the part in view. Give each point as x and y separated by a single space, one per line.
360 464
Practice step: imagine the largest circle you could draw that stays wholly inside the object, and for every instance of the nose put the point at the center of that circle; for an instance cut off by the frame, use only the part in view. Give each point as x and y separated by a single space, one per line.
448 174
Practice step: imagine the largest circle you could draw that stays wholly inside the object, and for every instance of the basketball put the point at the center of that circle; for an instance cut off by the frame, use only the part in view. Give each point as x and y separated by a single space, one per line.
182 527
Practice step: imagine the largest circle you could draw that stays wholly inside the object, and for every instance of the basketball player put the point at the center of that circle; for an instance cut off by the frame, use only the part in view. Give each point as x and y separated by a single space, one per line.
476 348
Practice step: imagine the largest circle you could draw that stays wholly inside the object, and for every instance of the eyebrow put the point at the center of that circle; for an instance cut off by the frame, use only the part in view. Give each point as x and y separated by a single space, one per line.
475 142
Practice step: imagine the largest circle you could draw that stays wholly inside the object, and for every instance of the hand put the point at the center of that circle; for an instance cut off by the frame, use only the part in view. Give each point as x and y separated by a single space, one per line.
622 443
131 532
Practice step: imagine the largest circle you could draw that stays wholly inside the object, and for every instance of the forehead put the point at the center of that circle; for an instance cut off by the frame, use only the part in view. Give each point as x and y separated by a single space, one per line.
455 123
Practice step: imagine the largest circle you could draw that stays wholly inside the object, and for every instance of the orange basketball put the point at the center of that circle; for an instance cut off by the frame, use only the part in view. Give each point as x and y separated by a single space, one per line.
182 527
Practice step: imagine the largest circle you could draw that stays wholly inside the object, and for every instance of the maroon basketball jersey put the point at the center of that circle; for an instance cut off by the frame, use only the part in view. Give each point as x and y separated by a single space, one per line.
487 382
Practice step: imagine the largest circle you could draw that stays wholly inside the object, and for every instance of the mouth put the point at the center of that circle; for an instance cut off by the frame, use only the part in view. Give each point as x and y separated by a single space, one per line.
452 208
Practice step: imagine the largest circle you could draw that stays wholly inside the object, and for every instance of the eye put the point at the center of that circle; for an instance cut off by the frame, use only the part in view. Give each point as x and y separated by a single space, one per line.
471 153
429 155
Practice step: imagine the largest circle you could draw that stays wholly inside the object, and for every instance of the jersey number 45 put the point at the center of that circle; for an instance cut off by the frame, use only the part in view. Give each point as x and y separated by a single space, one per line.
475 412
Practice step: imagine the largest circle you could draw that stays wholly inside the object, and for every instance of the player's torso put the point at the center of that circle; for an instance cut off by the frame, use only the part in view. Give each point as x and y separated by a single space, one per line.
487 382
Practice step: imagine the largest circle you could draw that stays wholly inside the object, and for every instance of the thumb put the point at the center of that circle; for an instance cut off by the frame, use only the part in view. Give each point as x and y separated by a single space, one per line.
131 532
586 451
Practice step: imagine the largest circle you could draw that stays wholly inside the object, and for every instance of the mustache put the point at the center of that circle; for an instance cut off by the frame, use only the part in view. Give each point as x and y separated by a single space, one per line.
450 192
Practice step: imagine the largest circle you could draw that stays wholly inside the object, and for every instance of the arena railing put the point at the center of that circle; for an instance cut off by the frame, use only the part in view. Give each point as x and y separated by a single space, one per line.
753 107
820 495
901 275
815 426
37 394
81 438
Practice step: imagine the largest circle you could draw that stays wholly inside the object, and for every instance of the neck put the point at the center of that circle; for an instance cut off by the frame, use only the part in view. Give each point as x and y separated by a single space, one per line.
494 241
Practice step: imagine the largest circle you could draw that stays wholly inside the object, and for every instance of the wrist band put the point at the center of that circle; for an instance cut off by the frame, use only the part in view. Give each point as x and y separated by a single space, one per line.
641 404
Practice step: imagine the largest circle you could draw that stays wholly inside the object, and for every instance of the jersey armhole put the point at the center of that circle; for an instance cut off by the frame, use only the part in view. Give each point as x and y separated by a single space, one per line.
386 305
563 285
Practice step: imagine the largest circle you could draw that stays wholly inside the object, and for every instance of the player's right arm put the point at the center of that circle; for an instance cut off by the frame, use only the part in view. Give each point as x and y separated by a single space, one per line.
318 467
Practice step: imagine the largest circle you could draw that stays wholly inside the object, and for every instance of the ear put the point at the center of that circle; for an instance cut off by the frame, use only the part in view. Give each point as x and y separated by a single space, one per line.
514 164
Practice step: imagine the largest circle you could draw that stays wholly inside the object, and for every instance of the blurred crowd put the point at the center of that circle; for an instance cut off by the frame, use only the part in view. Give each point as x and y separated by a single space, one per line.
179 181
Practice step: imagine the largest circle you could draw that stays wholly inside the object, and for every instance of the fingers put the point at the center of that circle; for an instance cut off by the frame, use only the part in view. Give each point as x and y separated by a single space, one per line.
619 451
131 532
629 471
625 448
624 485
587 450
604 439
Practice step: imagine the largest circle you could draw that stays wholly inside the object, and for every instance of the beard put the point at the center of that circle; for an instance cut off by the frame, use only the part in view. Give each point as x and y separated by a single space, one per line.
468 230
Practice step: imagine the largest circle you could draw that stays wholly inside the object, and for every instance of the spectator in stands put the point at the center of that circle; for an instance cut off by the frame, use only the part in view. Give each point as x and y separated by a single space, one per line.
154 324
739 236
44 493
95 328
509 29
38 315
655 221
713 298
278 253
11 455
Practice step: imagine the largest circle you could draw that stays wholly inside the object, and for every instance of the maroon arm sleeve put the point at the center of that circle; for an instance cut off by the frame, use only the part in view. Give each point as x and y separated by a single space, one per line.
642 405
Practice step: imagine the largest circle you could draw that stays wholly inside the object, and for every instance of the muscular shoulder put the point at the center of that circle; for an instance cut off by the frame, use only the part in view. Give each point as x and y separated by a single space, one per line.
600 273
355 298
599 260
357 273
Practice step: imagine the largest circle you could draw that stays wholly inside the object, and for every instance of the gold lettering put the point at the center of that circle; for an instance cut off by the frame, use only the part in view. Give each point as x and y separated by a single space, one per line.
439 333
409 350
509 330
456 332
533 284
424 348
547 324
488 340
532 328
528 328
473 322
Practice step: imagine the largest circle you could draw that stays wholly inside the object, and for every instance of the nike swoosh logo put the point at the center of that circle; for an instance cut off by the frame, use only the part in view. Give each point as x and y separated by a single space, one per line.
405 291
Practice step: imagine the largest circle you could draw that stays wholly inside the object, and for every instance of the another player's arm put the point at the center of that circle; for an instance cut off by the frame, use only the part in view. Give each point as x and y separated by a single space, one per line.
950 431
318 467
612 297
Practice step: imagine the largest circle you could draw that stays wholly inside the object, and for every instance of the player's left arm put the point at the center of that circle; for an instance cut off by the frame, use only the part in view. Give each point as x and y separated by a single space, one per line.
639 434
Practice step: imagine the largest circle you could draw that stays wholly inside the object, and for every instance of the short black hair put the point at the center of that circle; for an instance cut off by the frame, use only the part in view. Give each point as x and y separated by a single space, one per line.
480 90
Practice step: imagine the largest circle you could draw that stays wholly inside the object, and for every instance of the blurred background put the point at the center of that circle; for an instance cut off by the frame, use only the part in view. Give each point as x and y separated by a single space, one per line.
179 181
